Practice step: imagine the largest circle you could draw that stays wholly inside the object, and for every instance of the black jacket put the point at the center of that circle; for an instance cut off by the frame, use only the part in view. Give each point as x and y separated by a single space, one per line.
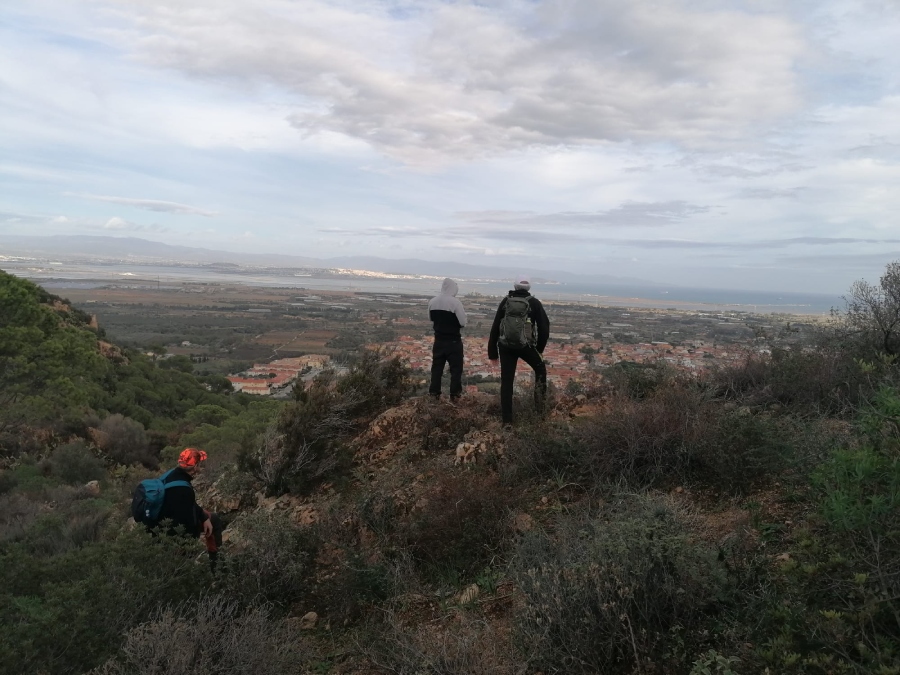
180 504
538 315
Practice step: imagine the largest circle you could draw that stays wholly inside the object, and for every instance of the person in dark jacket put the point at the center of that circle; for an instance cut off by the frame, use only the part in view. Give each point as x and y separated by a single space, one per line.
530 354
448 316
180 504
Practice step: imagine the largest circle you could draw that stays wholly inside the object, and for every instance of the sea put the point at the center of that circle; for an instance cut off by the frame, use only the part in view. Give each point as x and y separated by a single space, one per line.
60 276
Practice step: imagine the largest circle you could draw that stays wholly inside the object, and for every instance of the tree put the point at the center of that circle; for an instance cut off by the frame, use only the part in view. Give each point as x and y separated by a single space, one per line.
873 312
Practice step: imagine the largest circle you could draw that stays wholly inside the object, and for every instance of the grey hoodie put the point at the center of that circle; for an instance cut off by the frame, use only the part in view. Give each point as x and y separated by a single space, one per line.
447 312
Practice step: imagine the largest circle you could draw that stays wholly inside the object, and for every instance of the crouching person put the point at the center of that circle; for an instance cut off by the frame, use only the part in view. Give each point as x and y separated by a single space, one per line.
171 497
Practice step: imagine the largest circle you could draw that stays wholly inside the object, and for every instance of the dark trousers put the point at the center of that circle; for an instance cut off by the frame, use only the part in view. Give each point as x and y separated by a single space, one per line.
509 358
446 351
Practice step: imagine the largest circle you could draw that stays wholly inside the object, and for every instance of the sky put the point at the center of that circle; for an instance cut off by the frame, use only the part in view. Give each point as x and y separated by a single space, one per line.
751 144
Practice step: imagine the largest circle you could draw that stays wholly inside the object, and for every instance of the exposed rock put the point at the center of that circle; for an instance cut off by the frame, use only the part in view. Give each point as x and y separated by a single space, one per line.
305 515
308 621
470 594
92 488
422 425
478 442
111 352
523 522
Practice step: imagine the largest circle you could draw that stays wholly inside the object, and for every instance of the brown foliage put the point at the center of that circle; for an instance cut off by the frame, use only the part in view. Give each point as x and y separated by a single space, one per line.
461 525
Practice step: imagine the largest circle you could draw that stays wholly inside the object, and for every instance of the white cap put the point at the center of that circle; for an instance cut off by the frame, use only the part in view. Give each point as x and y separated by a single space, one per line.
522 283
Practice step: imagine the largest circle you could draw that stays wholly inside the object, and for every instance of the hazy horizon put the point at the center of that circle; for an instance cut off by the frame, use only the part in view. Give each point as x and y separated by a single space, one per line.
736 144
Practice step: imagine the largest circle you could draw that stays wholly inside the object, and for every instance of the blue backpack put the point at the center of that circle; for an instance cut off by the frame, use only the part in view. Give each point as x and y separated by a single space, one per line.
147 501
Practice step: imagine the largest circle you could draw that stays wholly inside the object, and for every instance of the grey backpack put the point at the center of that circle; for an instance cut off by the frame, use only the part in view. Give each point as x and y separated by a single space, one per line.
516 327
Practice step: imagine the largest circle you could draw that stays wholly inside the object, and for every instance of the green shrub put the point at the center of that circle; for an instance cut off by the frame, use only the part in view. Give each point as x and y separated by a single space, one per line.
8 481
607 592
675 434
837 607
861 492
353 588
74 463
124 441
17 513
544 451
66 614
57 533
302 445
375 383
739 449
639 380
208 414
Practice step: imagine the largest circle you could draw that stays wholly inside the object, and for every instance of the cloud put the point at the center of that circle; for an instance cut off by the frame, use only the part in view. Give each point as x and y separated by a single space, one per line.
466 79
770 193
629 214
469 248
739 246
147 204
116 223
14 218
382 231
861 261
119 224
535 227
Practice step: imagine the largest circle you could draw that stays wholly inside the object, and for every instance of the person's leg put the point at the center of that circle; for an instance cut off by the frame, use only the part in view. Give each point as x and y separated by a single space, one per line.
455 359
508 360
534 359
438 359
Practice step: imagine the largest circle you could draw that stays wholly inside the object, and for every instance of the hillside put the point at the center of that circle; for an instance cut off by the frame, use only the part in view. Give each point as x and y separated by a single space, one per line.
59 376
743 521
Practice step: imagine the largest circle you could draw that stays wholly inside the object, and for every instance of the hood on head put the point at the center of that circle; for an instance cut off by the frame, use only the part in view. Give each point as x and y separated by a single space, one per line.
449 287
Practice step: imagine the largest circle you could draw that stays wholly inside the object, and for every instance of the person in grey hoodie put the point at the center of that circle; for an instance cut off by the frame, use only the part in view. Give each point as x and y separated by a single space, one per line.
448 316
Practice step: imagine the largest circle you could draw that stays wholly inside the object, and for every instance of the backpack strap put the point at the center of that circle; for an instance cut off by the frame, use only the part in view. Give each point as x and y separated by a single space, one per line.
174 483
177 483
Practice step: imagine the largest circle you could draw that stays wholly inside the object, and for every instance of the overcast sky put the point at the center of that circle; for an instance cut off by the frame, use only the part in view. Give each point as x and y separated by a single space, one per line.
749 144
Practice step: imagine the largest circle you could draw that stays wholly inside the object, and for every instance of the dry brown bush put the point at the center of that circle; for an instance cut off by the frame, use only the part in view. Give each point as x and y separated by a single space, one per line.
826 379
461 525
272 560
643 440
468 647
209 637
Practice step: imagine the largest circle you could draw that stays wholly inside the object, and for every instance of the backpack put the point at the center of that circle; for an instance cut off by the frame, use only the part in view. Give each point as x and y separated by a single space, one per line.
516 327
147 501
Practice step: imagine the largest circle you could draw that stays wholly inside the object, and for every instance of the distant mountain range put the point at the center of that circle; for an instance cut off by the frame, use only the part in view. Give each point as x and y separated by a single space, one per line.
142 250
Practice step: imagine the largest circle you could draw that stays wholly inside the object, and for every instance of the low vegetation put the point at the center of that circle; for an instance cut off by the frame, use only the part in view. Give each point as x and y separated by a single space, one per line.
742 521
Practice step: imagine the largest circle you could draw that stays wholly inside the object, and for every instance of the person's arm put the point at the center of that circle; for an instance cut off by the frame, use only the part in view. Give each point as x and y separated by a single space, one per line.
493 354
543 324
460 314
206 526
201 517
